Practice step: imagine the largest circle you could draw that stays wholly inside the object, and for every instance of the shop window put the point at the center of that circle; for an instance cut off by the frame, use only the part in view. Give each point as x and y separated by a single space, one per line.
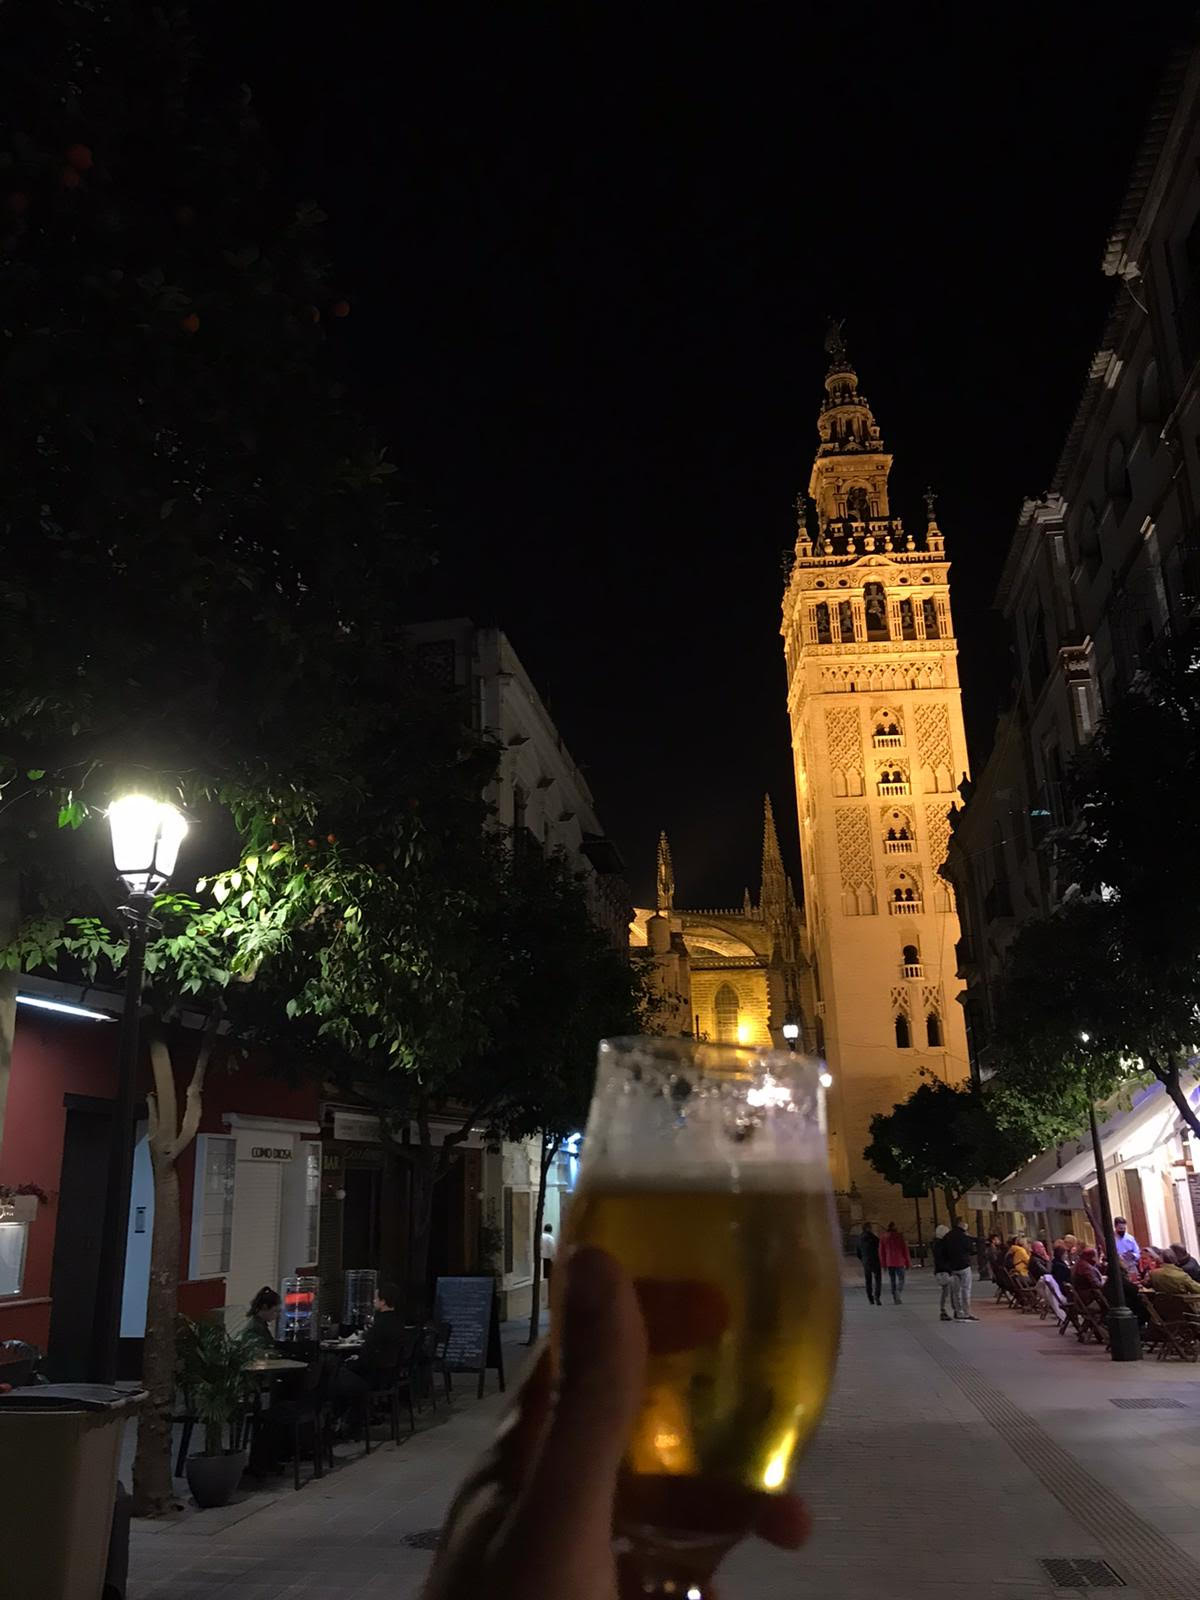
212 1206
13 1236
518 1221
725 1010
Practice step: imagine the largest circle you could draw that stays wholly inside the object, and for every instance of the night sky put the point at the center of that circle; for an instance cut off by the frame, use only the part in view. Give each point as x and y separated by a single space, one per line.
591 251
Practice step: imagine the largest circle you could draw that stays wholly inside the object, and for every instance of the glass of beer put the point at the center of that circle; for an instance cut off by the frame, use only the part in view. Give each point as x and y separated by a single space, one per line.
705 1174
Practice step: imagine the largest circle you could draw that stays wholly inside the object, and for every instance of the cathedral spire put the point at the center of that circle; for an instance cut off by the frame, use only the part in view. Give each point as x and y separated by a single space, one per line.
776 891
666 875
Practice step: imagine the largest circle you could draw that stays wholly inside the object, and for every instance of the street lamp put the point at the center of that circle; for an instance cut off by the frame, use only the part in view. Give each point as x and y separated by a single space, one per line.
146 835
1124 1340
826 1078
791 1032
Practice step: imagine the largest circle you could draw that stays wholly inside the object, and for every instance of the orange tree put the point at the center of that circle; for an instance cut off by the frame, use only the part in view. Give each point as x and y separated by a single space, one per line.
204 555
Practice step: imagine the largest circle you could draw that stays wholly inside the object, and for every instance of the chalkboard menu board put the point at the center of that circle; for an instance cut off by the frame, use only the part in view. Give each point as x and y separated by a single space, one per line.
469 1306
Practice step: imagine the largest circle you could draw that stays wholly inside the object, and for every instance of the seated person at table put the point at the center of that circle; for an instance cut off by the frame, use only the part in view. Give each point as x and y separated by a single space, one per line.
1086 1280
1188 1262
1039 1261
380 1355
1060 1267
1018 1257
259 1326
1170 1278
1146 1263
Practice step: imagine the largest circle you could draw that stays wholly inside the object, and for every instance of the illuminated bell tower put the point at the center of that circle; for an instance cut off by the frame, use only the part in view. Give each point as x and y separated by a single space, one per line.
879 748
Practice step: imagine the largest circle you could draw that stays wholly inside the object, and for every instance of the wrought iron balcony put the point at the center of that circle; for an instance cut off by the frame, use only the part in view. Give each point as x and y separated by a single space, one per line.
899 847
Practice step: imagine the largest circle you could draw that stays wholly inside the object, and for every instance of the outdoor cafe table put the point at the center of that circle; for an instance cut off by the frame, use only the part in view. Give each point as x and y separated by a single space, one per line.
274 1366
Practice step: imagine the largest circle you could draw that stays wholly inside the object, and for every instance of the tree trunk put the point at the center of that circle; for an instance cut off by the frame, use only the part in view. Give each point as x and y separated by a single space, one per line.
392 1218
549 1151
153 1491
1168 1076
423 1176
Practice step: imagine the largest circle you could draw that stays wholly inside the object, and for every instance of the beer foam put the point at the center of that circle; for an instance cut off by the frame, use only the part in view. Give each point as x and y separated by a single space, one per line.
630 1170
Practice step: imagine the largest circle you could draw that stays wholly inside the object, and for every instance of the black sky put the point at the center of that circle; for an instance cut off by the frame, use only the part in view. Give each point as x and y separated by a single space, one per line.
591 250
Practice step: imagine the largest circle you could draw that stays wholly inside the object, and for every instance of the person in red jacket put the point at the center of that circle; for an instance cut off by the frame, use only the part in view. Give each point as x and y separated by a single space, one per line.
893 1254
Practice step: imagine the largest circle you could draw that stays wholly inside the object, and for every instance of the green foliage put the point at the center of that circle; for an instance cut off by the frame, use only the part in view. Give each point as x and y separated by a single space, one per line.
945 1136
211 1369
1108 988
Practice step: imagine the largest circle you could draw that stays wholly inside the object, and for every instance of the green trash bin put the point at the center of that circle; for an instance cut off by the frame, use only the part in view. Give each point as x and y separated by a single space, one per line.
59 1448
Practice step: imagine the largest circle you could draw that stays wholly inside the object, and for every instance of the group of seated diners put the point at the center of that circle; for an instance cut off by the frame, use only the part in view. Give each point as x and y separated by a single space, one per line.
1166 1270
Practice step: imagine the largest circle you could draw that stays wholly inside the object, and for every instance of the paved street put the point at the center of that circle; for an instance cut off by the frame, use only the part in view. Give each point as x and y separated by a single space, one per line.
954 1459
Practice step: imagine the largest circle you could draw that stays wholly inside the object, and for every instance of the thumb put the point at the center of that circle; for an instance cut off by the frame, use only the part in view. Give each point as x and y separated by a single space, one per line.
602 1365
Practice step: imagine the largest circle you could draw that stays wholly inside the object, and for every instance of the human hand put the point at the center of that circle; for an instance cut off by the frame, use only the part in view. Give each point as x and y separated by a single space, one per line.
534 1520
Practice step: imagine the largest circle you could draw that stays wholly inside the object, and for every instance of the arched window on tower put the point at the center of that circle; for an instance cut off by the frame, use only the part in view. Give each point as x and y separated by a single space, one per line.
903 1036
823 633
929 606
725 1011
846 621
858 505
933 1031
875 605
908 628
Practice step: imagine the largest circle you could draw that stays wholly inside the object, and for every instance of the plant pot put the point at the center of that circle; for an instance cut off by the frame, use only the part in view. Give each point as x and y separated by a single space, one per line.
212 1479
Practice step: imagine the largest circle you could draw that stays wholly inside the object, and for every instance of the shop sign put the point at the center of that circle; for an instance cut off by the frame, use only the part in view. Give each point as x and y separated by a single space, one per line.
271 1152
355 1127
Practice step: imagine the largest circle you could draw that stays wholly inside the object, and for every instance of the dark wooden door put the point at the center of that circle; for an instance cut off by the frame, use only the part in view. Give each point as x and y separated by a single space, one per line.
77 1240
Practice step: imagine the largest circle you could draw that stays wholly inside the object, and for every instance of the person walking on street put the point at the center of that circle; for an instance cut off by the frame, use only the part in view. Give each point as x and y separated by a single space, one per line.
959 1248
868 1254
893 1254
941 1272
549 1252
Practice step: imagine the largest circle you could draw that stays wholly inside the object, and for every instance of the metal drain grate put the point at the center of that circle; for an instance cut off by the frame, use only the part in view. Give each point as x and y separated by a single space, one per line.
1149 1405
1069 1572
426 1539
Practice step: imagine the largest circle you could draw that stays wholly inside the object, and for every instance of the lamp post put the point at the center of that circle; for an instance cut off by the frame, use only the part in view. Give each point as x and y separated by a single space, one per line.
791 1032
146 835
1124 1339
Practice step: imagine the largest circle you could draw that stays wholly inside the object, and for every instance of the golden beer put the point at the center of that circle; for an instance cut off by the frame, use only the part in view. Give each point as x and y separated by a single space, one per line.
742 1298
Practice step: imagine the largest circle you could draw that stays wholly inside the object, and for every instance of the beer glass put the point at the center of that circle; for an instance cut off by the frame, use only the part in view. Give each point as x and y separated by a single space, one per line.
705 1174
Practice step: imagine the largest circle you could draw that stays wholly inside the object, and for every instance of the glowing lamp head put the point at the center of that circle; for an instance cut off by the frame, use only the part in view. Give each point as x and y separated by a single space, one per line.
826 1078
146 835
791 1031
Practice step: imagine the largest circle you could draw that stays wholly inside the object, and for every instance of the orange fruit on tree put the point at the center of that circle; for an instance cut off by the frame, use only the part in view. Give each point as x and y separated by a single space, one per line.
80 157
70 178
341 308
190 323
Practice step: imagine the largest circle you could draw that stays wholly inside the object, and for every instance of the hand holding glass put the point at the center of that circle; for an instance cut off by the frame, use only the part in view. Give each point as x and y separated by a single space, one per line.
705 1175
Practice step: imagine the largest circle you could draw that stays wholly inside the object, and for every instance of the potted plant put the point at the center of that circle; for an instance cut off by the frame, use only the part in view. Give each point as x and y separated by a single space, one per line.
212 1374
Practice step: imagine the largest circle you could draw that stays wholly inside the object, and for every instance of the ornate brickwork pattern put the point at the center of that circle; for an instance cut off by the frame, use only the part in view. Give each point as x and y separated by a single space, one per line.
901 1000
937 831
931 999
855 856
933 737
843 736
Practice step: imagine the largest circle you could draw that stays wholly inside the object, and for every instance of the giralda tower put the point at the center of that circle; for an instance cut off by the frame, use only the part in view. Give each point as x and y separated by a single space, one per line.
877 736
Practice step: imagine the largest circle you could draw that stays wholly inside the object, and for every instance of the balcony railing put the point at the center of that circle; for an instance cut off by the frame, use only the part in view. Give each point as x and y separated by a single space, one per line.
912 969
888 741
890 789
905 908
899 847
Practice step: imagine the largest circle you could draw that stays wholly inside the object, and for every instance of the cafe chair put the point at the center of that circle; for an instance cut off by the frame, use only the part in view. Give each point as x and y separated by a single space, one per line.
308 1411
386 1384
1170 1327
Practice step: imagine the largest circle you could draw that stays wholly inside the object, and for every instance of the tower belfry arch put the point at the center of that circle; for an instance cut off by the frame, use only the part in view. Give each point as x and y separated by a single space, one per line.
879 749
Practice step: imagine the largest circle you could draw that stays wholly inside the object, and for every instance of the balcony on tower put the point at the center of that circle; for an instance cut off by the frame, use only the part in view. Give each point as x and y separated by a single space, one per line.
899 907
892 782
